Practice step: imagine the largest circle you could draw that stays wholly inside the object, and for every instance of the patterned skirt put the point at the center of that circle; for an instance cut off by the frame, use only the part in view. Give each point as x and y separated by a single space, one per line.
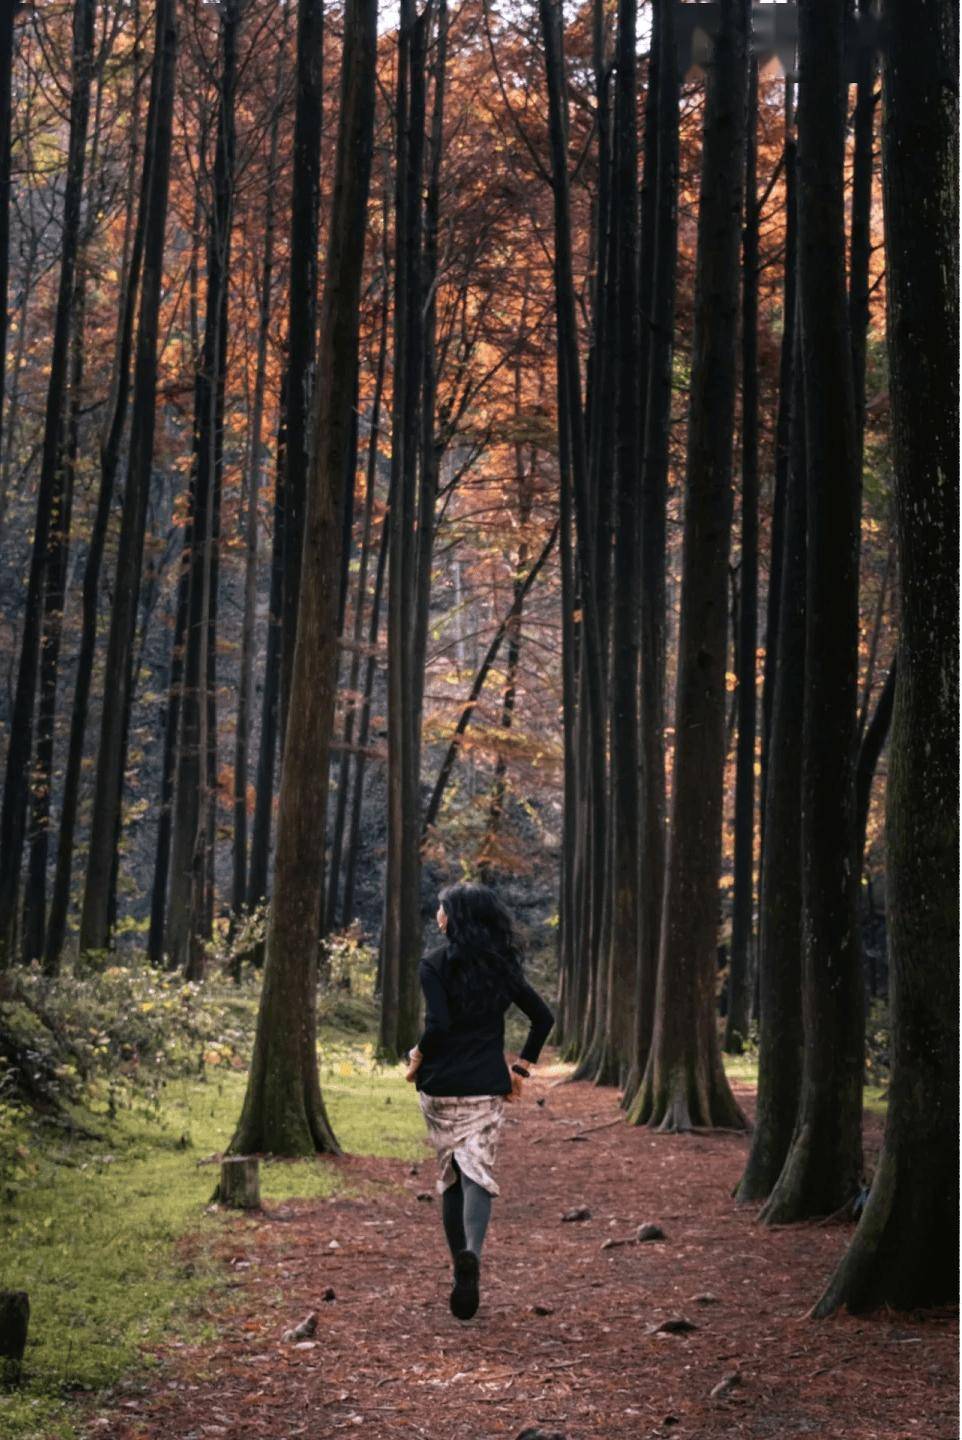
465 1128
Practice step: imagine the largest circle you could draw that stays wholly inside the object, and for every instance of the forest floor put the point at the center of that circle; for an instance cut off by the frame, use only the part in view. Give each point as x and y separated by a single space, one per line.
565 1340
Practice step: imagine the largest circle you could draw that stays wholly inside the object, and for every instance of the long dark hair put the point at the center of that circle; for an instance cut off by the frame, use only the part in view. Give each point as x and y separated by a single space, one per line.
484 951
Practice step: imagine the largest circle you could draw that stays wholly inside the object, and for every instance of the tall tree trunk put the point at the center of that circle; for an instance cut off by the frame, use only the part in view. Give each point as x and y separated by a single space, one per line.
13 817
283 1109
780 908
570 957
302 314
255 460
110 446
740 962
600 426
270 709
352 709
431 444
653 531
905 1250
823 1168
55 594
572 415
782 453
684 1083
195 793
401 939
171 723
860 251
357 796
94 934
623 952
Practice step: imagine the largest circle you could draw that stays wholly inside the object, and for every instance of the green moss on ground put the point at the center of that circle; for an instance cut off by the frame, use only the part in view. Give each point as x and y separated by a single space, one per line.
91 1233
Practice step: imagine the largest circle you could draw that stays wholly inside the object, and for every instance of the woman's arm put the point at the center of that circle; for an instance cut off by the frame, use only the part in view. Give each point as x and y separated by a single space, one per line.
437 1019
530 1002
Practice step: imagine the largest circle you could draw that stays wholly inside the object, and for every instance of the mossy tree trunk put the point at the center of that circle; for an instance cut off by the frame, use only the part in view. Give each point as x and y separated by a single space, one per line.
283 1110
823 1167
684 1082
905 1250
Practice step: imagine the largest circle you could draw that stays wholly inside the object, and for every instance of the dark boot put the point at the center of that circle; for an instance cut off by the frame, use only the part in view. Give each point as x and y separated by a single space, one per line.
465 1296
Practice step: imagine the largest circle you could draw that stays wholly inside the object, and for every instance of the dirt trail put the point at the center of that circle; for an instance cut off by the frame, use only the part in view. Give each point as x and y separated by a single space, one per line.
389 1360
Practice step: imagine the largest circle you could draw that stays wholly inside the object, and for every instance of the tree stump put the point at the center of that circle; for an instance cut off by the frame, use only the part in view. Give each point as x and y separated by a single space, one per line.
14 1318
240 1182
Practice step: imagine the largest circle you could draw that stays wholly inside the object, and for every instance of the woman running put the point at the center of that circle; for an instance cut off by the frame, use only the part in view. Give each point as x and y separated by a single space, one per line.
460 1069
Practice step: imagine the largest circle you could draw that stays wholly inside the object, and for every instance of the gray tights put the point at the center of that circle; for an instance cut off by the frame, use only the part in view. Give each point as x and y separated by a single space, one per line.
466 1210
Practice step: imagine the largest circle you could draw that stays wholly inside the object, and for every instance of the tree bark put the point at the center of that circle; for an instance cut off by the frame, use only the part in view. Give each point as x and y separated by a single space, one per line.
283 1109
684 1083
402 918
592 585
431 443
823 1168
255 462
905 1250
168 765
743 903
786 383
270 710
860 245
352 709
780 909
302 315
619 1001
653 534
357 796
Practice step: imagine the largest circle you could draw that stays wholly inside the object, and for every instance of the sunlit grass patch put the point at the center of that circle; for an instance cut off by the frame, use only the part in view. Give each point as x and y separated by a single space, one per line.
93 1234
743 1069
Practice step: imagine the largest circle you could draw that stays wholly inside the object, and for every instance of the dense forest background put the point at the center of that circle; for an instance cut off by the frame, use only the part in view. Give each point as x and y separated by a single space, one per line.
494 439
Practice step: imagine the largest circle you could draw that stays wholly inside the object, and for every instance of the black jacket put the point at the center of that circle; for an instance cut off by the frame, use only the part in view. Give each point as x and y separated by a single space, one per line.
464 1054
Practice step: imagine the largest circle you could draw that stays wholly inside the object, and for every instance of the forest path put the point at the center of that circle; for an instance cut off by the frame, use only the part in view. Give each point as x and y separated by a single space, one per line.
389 1360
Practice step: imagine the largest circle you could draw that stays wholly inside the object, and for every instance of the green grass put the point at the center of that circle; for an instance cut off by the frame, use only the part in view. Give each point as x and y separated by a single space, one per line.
92 1236
875 1099
742 1068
